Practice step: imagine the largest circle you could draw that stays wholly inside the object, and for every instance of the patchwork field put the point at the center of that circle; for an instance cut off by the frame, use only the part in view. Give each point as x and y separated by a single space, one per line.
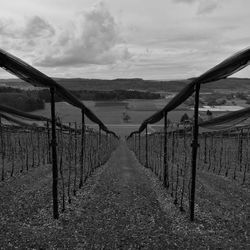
112 115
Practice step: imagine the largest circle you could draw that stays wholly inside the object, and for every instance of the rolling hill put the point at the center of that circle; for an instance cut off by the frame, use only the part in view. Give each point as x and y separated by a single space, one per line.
230 84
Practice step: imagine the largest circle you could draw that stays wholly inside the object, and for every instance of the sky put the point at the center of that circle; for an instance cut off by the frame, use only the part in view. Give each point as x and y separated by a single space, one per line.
160 39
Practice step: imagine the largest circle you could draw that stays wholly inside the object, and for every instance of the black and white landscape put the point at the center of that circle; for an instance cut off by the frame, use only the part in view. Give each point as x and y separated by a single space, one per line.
124 124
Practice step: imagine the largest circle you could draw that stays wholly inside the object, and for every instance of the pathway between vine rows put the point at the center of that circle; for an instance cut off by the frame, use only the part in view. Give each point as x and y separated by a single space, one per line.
116 209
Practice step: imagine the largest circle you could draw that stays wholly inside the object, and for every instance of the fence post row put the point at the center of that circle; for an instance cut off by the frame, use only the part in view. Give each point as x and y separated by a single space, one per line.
195 146
54 155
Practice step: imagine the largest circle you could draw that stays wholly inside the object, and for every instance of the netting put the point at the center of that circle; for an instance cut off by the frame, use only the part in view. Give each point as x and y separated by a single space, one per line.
224 69
223 153
25 148
29 74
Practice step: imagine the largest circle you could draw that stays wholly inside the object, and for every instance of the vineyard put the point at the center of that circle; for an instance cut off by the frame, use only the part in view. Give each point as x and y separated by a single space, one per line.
202 166
184 150
74 151
79 154
222 153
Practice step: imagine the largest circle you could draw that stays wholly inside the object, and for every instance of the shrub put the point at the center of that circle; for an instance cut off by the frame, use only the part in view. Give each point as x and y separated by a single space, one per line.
184 118
21 102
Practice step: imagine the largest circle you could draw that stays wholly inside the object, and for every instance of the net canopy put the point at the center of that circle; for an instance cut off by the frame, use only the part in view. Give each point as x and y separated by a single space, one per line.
228 120
27 116
21 114
224 69
33 76
13 120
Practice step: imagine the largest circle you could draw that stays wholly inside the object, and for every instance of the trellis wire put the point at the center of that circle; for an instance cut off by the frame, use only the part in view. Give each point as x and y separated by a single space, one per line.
223 153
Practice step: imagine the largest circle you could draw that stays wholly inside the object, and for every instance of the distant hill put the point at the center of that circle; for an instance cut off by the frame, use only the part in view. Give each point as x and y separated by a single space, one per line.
230 84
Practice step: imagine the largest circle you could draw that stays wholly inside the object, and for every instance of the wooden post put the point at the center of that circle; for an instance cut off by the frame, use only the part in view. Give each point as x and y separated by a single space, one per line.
75 159
49 145
99 146
195 146
54 155
2 149
146 146
134 143
165 160
240 148
139 148
82 150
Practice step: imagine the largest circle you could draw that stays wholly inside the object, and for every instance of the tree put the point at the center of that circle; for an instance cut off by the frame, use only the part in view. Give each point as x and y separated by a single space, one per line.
184 118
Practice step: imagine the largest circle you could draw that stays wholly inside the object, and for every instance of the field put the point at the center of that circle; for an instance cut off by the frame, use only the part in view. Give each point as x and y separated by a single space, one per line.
112 115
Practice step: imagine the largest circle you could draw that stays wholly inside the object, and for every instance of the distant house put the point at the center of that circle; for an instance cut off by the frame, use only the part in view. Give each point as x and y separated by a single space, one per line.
209 115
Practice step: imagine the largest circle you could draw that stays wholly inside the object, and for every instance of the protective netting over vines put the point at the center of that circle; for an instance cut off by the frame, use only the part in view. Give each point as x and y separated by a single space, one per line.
175 155
79 154
73 152
225 153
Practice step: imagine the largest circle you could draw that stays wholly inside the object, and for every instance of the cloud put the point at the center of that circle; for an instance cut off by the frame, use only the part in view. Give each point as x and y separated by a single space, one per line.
38 27
185 1
207 7
93 39
204 6
25 37
34 27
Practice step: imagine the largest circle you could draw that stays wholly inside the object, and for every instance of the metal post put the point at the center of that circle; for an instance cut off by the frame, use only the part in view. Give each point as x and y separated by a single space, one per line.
146 131
54 155
165 162
195 146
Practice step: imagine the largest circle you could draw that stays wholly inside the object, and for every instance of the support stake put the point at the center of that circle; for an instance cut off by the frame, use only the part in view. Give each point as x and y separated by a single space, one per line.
146 164
139 141
54 155
194 150
165 163
82 149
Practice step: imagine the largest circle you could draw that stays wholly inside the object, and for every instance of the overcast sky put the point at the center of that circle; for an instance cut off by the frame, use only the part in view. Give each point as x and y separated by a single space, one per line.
150 39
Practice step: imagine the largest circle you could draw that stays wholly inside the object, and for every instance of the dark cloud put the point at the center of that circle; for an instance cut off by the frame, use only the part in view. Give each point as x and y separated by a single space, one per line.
95 39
